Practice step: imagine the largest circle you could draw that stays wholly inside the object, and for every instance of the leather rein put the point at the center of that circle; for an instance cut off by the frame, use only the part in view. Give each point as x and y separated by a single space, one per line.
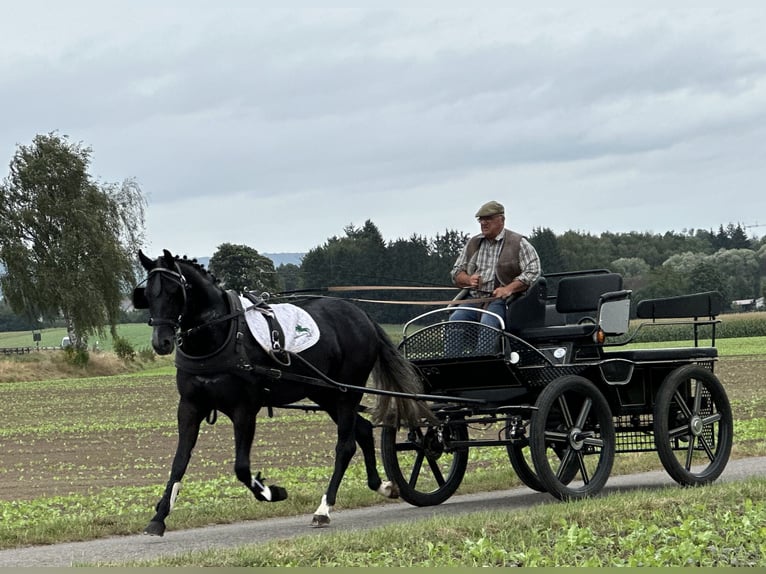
348 288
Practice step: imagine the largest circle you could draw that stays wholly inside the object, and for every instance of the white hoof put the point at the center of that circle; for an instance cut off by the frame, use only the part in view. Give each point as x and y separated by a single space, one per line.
320 521
322 514
388 489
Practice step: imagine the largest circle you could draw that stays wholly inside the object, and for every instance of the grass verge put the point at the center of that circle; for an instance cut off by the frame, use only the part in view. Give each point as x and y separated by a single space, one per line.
718 525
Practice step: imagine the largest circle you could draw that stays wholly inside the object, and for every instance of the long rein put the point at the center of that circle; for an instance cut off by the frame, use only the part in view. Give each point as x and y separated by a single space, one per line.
278 374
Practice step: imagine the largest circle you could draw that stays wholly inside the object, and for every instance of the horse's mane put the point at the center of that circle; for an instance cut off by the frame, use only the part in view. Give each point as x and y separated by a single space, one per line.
197 266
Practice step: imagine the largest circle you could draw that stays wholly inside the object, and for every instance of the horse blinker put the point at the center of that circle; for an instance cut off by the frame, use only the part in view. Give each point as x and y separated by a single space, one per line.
139 298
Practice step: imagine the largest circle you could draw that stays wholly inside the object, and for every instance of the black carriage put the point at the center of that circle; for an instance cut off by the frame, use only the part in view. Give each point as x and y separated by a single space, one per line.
562 392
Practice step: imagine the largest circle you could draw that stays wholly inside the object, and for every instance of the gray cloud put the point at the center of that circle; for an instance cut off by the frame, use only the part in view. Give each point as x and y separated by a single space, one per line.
349 111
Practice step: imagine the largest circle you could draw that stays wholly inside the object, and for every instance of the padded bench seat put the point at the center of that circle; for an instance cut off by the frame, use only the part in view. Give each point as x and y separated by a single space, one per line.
532 318
557 332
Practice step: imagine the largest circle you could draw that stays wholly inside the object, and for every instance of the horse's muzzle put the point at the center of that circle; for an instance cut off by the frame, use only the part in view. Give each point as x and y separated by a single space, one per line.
163 340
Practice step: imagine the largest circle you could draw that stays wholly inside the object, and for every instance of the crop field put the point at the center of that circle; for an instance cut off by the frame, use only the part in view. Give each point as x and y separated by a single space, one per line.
86 458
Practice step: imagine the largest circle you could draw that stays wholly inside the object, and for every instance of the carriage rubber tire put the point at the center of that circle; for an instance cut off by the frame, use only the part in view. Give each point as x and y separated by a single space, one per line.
543 428
662 425
522 468
526 472
410 493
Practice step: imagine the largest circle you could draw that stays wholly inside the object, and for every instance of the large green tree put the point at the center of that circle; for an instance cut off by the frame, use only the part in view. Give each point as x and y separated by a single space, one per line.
67 241
242 268
547 246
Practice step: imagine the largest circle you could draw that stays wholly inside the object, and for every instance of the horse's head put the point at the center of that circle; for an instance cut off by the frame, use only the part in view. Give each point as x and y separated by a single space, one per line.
165 297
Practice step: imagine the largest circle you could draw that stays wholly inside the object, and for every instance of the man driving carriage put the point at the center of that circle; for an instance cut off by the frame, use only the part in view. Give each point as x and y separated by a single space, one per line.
495 263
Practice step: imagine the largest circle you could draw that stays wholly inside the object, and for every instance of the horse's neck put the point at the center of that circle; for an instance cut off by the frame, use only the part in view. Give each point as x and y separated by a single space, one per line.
205 303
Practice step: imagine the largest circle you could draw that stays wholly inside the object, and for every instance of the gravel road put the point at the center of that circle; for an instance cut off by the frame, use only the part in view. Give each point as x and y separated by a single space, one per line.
140 547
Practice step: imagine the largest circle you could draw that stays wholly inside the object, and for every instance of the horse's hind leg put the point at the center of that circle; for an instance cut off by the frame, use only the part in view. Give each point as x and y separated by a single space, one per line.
345 416
189 420
244 433
366 440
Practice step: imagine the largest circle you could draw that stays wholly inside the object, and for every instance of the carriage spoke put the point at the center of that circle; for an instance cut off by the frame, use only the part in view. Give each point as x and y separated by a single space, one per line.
566 460
565 411
594 441
436 470
584 412
697 397
679 432
554 437
690 453
712 419
682 405
417 465
583 468
708 450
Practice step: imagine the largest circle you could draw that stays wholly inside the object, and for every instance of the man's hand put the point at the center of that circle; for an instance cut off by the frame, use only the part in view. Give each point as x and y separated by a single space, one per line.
503 292
506 291
467 281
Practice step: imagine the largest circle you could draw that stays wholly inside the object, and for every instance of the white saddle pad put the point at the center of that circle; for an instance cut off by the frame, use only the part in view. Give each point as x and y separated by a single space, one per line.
300 329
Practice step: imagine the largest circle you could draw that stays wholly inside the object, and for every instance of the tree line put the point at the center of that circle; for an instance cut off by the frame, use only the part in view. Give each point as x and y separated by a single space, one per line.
68 247
652 265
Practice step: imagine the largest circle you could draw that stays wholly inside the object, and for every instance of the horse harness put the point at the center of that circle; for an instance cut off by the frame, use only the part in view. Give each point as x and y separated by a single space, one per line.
231 355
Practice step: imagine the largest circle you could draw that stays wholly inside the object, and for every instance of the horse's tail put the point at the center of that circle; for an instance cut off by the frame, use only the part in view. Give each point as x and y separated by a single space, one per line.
393 372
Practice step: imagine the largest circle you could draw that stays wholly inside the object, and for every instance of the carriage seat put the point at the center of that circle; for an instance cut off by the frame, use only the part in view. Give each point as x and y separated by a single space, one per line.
529 309
574 314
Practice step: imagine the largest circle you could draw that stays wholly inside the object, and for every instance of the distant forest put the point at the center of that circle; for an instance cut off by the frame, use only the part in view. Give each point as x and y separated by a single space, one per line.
652 265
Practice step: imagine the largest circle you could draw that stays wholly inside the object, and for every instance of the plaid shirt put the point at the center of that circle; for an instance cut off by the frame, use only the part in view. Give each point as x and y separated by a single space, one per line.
485 261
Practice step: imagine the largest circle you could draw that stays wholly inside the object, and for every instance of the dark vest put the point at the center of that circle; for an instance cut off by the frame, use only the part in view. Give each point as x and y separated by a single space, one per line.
508 264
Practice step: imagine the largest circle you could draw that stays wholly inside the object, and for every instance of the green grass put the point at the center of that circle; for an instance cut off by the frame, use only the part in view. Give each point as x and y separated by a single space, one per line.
133 415
719 525
137 334
116 436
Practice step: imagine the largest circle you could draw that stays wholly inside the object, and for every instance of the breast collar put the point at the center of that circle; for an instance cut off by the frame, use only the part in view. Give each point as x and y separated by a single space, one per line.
229 357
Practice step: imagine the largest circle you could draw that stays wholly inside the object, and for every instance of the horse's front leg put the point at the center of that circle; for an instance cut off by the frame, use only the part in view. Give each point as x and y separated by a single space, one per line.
244 433
189 420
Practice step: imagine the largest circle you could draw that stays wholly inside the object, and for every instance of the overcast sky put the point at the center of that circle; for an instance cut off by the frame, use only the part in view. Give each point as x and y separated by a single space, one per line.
276 125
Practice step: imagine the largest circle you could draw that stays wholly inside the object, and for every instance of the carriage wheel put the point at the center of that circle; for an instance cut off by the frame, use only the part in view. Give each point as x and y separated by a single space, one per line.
519 453
693 425
572 439
419 461
521 461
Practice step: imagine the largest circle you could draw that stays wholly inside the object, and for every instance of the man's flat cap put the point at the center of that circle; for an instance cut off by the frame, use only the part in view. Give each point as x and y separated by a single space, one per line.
489 209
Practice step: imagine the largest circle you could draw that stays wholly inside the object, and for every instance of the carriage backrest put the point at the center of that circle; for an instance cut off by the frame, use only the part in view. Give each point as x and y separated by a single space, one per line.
528 310
708 304
580 294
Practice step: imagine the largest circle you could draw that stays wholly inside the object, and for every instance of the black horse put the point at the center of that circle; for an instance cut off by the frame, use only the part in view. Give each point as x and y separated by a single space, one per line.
222 368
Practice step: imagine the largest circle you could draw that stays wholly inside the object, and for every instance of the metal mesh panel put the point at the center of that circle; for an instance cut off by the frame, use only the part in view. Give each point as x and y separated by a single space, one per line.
541 376
453 340
634 433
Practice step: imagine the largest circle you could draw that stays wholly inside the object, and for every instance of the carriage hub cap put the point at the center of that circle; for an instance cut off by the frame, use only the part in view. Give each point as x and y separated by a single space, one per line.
695 425
576 438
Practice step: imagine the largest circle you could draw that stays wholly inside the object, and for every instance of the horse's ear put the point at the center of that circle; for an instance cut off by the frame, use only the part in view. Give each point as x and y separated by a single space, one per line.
139 298
147 263
170 261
